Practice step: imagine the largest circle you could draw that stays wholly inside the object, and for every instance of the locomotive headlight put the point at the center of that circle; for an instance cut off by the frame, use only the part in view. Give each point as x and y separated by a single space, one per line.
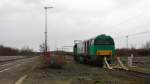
104 52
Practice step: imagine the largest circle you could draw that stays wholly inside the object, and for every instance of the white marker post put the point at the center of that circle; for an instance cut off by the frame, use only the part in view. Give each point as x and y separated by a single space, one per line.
130 61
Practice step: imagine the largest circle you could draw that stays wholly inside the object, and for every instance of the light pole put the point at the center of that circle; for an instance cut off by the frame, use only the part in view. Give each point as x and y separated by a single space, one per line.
46 26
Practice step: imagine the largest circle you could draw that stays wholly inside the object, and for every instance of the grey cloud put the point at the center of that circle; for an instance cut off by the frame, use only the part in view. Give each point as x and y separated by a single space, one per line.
22 22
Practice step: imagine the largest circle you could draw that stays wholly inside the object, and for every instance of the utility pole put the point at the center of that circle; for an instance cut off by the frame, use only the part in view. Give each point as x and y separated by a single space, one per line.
46 27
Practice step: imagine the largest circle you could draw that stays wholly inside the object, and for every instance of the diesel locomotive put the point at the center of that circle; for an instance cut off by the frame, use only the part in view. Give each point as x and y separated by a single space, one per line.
93 51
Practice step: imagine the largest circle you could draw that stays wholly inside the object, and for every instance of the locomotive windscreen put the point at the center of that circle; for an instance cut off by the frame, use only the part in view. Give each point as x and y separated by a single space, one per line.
104 42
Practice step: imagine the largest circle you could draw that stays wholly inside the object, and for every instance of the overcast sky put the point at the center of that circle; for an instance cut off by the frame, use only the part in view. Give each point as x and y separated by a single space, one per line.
22 21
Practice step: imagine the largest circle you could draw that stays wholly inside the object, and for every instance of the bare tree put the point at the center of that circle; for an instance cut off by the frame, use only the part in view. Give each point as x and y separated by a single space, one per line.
26 51
147 46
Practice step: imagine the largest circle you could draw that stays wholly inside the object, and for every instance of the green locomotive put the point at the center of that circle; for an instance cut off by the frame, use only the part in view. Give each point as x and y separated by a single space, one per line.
94 50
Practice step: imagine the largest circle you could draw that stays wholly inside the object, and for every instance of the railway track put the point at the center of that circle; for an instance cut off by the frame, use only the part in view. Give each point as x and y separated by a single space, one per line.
130 73
138 74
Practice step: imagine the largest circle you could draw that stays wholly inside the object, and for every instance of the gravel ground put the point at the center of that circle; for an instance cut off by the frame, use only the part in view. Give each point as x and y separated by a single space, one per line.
74 73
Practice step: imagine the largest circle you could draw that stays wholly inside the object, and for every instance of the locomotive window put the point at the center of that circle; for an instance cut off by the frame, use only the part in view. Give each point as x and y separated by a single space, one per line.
104 42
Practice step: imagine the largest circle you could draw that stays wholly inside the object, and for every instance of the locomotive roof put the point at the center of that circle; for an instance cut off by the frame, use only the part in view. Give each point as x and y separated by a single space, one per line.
102 36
